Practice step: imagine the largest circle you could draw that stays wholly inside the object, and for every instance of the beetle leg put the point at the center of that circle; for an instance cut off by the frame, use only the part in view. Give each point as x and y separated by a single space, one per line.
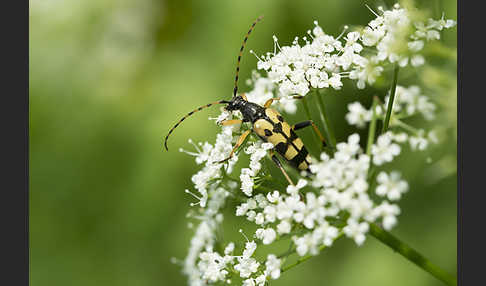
279 165
231 122
314 126
270 101
238 144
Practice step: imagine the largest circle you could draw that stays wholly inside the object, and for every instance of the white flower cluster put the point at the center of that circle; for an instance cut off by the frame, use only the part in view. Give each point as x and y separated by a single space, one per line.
340 197
264 89
358 115
201 264
409 101
384 150
319 63
213 267
342 180
340 191
323 60
342 187
397 39
210 155
257 151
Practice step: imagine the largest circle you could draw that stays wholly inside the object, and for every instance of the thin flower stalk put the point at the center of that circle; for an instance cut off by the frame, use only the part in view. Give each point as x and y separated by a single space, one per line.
372 130
391 100
325 120
411 254
309 117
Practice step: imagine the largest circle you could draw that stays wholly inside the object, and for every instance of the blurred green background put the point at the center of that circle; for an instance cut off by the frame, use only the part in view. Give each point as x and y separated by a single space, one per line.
107 80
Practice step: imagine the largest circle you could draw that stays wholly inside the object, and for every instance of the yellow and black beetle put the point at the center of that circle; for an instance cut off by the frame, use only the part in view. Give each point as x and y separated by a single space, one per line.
267 123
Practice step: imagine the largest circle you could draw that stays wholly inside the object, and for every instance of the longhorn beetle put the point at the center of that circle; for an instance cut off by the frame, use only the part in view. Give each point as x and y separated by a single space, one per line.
267 123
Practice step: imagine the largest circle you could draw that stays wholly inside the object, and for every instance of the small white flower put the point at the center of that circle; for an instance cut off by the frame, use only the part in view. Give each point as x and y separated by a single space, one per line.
384 150
259 219
391 185
358 115
347 150
223 116
212 266
294 190
229 248
261 201
242 209
356 231
417 60
418 141
267 235
335 81
400 137
261 280
308 243
284 227
273 197
246 181
302 244
273 266
416 46
251 215
270 213
250 248
389 213
246 266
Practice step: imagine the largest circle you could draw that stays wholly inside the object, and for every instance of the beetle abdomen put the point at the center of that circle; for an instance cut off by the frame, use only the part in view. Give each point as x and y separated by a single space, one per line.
275 130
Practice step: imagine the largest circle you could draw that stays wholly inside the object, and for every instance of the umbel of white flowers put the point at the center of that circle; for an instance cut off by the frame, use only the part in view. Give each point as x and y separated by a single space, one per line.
340 183
323 60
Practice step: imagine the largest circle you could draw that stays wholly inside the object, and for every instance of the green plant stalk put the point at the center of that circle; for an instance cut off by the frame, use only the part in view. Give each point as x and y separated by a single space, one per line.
411 254
391 99
406 126
325 120
372 130
307 112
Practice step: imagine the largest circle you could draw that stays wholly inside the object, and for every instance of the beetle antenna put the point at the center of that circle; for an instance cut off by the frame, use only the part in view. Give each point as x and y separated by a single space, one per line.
241 53
189 114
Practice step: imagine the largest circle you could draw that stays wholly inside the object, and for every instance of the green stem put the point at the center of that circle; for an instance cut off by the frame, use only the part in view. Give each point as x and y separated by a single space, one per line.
406 126
286 255
372 131
411 254
391 99
307 112
325 120
306 108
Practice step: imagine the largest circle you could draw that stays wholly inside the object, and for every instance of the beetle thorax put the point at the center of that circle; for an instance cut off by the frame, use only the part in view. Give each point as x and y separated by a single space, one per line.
250 111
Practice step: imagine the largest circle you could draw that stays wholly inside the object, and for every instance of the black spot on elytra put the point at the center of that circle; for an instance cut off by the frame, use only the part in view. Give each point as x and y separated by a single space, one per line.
268 133
280 118
277 127
299 158
281 148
